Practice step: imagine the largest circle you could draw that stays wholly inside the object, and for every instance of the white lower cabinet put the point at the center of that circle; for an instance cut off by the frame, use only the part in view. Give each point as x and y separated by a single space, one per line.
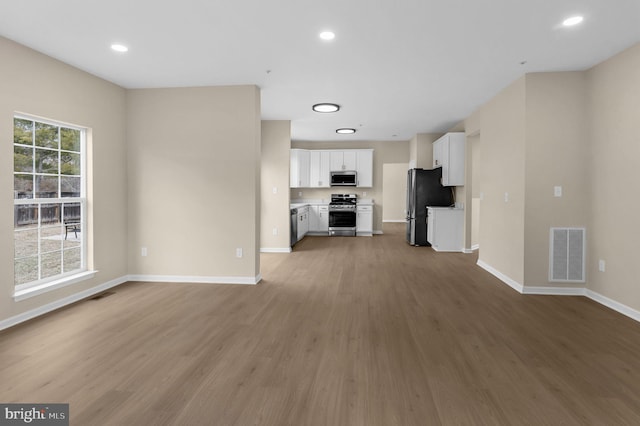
303 222
445 228
364 220
319 219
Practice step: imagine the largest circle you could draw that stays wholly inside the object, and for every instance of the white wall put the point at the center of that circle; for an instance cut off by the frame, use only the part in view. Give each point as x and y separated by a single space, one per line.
394 200
39 85
274 211
194 182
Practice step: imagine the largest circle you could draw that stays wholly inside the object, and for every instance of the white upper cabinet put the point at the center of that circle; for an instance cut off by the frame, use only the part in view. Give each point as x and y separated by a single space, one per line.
299 170
343 160
319 169
448 153
364 167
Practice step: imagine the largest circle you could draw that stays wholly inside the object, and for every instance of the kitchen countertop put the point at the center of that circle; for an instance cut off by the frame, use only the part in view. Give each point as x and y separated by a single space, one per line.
297 203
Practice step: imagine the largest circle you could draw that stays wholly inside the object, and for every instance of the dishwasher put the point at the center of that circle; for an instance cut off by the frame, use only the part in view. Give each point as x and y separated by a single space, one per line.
294 227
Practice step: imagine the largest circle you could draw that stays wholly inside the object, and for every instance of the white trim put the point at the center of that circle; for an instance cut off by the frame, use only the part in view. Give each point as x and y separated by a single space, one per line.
36 290
475 247
378 233
472 249
612 304
275 250
195 279
395 221
502 277
564 291
555 291
33 313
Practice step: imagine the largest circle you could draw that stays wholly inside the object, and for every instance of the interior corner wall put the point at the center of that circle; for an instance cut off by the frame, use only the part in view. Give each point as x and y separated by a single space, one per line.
501 174
36 84
274 211
194 182
614 170
424 147
557 154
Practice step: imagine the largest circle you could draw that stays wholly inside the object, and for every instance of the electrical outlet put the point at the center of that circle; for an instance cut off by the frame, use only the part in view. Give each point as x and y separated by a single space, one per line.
506 197
275 190
238 253
601 265
143 252
364 194
275 231
557 191
300 194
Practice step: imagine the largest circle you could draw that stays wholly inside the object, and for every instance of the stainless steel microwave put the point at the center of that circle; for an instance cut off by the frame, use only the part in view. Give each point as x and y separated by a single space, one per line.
344 178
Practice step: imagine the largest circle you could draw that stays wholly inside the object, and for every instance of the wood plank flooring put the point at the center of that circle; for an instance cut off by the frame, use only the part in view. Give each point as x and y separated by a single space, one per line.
343 331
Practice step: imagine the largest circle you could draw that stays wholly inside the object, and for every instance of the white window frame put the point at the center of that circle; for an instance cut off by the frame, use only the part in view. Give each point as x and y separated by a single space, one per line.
34 288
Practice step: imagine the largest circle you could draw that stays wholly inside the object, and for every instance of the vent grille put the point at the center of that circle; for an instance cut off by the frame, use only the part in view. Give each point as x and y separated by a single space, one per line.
567 254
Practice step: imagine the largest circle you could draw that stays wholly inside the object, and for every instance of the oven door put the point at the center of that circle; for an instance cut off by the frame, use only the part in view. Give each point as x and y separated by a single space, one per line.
342 222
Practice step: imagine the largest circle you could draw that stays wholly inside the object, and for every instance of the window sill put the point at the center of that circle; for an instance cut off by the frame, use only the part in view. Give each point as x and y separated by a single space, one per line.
37 290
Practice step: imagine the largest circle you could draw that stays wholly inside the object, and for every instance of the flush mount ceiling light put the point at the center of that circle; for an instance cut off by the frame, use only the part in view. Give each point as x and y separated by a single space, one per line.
346 131
574 20
324 107
327 35
119 47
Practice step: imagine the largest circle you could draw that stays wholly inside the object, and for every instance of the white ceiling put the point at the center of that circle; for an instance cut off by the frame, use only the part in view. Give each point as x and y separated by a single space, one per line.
397 68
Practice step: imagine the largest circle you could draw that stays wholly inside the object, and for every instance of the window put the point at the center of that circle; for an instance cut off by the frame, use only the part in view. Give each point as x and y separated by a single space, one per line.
49 202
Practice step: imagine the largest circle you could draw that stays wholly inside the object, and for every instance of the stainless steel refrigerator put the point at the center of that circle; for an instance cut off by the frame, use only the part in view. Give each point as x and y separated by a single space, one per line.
424 188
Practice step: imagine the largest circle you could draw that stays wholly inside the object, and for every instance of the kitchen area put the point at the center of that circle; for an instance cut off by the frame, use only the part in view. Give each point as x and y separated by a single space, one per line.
332 194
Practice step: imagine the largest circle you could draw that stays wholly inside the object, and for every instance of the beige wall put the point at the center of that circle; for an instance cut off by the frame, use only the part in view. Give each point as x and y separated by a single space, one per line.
502 166
614 170
274 210
384 152
557 154
194 172
421 150
394 176
36 84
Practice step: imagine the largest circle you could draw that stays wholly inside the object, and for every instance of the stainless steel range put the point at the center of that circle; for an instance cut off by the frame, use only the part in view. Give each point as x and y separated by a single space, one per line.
342 215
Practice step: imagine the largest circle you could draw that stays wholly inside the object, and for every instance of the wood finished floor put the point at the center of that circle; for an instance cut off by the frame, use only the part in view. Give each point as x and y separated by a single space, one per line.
343 331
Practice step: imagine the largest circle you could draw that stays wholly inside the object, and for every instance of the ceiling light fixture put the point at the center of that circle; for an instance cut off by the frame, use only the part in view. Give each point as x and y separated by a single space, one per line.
119 47
327 35
574 20
325 107
345 131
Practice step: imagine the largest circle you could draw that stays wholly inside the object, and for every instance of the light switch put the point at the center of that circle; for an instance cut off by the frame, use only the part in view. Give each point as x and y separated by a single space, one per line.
506 197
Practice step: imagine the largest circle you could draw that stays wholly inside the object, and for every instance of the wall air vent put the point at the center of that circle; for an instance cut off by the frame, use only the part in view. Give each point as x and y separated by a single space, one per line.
567 254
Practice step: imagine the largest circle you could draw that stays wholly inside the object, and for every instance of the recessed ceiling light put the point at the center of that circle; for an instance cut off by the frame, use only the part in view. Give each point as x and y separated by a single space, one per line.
327 35
346 131
119 47
325 107
574 20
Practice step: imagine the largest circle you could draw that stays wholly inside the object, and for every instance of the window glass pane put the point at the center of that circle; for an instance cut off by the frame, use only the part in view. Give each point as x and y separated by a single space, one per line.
26 270
72 259
47 135
25 216
22 131
50 214
72 212
22 186
69 163
51 264
22 159
46 161
69 187
70 139
26 242
47 186
51 238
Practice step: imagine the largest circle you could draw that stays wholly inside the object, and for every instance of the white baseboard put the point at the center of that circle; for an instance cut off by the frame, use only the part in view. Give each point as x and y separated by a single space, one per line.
564 291
378 233
195 279
275 250
472 249
33 313
612 304
502 277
